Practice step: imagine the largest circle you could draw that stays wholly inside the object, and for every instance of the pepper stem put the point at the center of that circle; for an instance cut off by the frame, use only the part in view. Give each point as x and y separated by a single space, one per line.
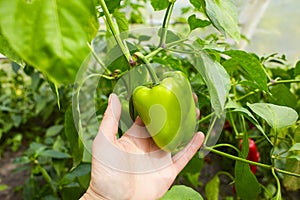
152 73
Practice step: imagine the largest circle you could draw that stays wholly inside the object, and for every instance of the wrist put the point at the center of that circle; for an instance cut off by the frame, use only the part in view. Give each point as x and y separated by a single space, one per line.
90 194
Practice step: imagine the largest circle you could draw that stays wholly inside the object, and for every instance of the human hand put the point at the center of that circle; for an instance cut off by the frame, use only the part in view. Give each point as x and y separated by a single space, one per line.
133 167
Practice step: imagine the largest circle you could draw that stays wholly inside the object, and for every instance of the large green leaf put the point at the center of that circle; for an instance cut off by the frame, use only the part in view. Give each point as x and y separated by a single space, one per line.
179 192
246 184
7 50
276 116
216 79
50 35
224 16
253 69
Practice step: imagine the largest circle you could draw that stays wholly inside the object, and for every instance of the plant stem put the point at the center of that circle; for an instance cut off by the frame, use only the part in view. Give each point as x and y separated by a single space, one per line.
249 161
248 94
227 145
286 172
115 31
156 51
283 81
205 118
233 124
237 158
99 60
278 193
152 73
226 174
210 130
165 24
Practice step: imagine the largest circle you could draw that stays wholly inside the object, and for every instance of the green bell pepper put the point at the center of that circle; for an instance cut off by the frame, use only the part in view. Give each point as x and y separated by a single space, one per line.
168 110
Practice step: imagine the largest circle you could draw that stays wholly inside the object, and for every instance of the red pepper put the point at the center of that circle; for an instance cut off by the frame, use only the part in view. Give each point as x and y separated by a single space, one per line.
253 154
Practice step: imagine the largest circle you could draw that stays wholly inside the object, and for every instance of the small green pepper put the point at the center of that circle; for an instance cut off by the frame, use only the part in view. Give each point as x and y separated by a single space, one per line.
168 110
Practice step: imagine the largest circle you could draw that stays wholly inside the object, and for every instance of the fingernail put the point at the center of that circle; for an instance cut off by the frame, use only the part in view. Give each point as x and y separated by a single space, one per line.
114 103
110 98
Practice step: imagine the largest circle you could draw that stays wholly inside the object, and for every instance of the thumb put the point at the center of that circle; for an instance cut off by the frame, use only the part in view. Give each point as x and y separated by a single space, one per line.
110 121
182 158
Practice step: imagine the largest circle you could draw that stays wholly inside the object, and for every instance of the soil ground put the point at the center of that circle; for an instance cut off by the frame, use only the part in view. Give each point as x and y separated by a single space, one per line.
8 176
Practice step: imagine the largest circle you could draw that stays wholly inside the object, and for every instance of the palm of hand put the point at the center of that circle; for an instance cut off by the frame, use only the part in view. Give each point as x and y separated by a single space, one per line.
129 181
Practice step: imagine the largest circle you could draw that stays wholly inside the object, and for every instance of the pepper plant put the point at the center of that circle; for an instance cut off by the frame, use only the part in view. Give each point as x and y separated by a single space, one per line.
242 96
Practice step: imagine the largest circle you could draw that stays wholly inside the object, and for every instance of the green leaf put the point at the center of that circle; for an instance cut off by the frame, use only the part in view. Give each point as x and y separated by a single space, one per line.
75 143
8 51
50 35
248 115
277 117
292 182
295 147
3 187
212 188
281 95
159 4
171 36
115 59
224 16
112 5
297 157
196 4
216 79
246 184
82 169
121 21
54 130
297 69
297 134
192 170
194 22
22 160
179 192
253 69
16 119
54 154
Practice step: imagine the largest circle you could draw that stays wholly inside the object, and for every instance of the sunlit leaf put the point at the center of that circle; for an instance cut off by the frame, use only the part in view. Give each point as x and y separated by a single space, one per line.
224 16
216 79
276 116
50 35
